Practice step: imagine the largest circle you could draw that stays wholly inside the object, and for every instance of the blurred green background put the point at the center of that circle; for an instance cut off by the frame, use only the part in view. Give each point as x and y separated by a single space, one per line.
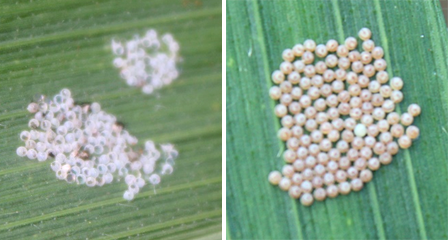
51 44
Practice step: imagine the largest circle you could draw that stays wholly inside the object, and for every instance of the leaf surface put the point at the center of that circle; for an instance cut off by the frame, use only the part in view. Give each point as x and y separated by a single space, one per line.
406 199
51 44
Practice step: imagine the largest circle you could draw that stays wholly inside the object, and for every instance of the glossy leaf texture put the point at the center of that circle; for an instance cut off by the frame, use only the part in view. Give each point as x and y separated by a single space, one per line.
48 45
406 199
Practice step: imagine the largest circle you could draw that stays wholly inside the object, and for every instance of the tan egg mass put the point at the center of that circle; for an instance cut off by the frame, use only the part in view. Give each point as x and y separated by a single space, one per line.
336 103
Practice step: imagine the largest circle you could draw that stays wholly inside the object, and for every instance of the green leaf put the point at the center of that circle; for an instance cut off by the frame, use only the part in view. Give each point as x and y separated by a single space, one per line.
406 199
48 45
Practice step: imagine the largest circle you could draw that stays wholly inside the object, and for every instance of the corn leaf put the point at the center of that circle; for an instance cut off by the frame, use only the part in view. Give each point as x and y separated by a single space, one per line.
406 199
51 44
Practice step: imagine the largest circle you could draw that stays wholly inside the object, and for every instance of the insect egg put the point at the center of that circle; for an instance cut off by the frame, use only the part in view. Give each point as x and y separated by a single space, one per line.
281 110
385 158
331 61
414 109
377 53
354 56
278 77
373 164
299 66
357 66
295 191
21 151
344 63
33 107
307 199
380 64
321 51
412 132
309 45
369 70
307 57
332 45
344 188
285 184
321 67
286 67
275 92
368 45
296 93
364 34
319 194
294 77
396 83
288 55
392 148
366 58
406 119
343 50
360 130
288 171
356 184
350 43
298 50
396 96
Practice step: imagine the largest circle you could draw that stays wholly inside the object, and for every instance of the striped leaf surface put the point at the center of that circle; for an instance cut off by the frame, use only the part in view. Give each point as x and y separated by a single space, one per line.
51 44
406 199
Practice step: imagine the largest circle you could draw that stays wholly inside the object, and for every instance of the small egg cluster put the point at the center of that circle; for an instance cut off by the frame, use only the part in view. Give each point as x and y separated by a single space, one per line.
90 147
336 106
147 62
